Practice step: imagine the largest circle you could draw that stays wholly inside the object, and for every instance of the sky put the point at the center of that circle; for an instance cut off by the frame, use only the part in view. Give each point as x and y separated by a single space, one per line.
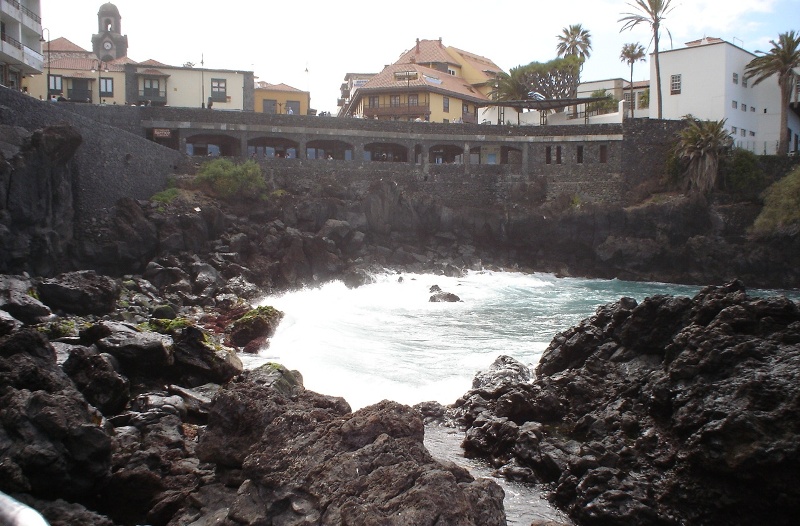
312 45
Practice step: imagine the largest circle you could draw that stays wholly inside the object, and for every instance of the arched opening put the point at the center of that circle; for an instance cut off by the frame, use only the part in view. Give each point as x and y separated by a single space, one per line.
271 148
509 155
446 154
210 145
386 152
325 149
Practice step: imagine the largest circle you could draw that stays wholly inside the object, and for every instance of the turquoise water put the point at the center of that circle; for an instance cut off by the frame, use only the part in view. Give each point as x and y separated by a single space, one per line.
387 341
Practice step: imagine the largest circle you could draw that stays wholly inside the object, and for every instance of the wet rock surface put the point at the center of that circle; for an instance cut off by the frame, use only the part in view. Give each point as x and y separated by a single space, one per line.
669 411
157 423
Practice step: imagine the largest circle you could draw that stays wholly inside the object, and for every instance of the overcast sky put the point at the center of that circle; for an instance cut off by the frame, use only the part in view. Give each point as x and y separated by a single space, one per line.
311 45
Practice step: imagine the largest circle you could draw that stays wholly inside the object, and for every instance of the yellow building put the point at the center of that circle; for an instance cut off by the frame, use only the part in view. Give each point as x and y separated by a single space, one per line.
429 82
280 99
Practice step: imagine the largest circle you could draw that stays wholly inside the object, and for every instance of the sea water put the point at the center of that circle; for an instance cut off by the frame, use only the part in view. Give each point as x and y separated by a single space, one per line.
386 340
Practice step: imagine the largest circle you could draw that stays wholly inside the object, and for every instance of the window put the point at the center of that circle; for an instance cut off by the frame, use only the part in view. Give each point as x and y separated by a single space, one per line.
56 84
151 87
675 85
548 155
219 88
734 105
374 101
744 107
744 132
558 154
734 130
451 72
293 107
736 78
465 109
106 87
579 155
744 82
394 100
446 104
627 96
752 133
269 106
603 153
752 108
413 100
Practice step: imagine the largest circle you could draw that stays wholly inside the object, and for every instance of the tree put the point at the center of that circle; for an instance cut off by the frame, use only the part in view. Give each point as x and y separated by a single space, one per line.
652 13
609 105
630 54
511 87
574 40
699 146
781 60
556 79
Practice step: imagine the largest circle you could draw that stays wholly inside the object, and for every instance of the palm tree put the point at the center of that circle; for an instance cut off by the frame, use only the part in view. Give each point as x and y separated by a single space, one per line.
652 13
574 40
781 60
630 54
699 146
511 86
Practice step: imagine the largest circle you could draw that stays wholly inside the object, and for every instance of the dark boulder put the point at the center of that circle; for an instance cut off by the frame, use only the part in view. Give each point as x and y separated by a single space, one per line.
51 441
18 298
260 322
671 411
94 375
81 292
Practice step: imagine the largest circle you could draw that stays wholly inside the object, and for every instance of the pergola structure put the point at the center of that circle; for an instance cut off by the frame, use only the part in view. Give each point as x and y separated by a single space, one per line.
543 106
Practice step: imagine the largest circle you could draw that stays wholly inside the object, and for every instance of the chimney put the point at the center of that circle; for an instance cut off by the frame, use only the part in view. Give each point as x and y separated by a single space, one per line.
440 41
417 45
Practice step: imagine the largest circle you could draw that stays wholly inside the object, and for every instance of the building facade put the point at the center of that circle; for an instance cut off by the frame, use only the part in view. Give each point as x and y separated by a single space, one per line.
429 82
280 99
20 41
706 79
106 75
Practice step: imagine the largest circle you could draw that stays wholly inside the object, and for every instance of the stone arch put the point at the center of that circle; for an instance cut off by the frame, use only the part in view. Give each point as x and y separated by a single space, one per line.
445 154
272 147
386 152
212 144
333 149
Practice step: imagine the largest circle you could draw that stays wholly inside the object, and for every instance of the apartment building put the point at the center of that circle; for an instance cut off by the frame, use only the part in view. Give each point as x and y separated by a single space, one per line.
20 41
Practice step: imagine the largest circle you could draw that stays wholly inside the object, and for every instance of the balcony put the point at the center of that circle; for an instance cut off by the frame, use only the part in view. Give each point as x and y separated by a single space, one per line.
153 95
395 111
79 95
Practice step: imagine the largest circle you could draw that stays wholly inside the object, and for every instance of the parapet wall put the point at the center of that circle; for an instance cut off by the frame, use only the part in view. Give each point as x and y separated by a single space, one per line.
600 162
110 163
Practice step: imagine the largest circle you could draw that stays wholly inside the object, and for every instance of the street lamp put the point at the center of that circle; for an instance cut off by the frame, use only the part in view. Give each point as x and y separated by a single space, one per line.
42 39
99 85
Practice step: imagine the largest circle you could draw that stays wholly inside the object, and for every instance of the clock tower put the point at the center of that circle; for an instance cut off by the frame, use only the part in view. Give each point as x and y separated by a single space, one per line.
109 43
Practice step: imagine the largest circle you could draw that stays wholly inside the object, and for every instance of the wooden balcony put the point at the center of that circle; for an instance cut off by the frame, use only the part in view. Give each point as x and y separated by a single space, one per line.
411 111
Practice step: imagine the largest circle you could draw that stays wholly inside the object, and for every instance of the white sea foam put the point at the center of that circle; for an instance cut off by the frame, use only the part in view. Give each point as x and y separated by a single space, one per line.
385 340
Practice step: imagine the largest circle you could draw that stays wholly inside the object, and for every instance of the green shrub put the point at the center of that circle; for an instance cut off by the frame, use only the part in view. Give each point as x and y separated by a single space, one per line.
742 174
781 212
166 196
226 179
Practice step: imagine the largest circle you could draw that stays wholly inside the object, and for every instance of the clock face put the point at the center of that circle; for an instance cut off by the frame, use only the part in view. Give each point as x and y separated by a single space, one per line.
107 45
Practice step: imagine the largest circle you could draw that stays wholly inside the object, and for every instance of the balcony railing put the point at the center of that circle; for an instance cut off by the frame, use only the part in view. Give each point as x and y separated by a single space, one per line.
399 110
153 95
10 40
79 95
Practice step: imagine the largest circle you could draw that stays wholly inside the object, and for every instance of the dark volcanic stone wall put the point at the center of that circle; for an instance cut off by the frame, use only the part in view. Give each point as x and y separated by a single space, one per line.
110 163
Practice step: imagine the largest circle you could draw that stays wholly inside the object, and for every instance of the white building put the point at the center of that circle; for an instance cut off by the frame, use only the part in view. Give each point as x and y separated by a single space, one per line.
21 42
706 79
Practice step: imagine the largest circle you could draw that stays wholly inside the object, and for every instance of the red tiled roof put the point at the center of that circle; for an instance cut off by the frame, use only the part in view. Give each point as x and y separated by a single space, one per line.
154 63
427 78
61 44
83 64
277 87
427 52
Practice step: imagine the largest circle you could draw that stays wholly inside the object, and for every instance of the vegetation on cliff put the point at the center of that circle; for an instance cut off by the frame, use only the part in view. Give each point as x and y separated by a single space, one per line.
781 212
225 179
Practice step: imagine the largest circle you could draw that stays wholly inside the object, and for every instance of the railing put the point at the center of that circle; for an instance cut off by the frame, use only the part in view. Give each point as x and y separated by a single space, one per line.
79 95
153 95
16 43
398 110
25 10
